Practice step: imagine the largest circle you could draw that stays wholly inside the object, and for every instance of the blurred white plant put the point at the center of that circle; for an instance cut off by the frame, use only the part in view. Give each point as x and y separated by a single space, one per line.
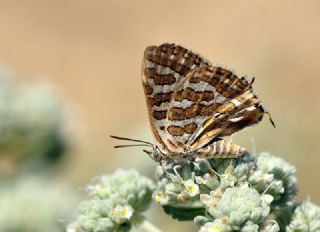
31 116
36 204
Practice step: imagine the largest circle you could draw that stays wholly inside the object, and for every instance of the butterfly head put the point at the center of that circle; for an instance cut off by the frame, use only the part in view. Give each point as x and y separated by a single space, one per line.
155 154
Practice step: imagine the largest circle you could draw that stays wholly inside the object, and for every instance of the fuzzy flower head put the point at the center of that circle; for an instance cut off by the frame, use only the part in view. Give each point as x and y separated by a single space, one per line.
237 207
182 182
226 194
276 175
306 217
116 203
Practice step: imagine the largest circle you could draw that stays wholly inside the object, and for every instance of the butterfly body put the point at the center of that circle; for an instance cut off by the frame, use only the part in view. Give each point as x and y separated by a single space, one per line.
218 149
192 104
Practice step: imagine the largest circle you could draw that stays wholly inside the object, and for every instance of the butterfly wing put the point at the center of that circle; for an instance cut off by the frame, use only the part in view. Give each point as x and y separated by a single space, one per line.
190 102
164 69
200 108
239 107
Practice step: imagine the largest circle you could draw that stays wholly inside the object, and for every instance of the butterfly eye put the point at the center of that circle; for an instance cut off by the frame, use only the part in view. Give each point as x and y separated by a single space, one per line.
155 154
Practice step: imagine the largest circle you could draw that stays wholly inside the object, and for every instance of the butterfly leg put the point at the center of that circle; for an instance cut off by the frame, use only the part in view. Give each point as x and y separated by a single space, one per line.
173 177
165 167
208 165
183 182
176 174
265 191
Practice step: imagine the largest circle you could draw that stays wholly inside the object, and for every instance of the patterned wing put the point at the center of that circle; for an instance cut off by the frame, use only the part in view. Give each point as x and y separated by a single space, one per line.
194 117
164 69
191 103
241 109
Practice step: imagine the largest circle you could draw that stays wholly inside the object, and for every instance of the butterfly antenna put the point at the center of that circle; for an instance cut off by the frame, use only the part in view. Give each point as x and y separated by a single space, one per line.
250 84
128 139
270 119
252 81
132 145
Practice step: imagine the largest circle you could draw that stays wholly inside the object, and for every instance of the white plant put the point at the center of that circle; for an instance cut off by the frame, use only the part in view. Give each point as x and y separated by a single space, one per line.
248 194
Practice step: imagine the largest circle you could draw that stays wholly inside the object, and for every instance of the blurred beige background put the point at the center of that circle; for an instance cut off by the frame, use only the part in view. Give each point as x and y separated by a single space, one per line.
92 50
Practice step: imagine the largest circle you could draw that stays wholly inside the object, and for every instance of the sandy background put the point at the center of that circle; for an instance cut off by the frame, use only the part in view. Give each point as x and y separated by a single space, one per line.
91 51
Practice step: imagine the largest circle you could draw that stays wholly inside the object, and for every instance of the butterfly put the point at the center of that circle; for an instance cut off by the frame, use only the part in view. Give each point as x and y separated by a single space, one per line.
193 104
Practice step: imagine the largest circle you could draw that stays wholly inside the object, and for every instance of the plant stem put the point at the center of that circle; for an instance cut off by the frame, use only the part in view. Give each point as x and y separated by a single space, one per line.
149 227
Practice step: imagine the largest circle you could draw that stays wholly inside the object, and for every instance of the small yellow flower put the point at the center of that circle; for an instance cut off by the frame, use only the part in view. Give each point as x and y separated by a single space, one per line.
158 196
214 228
122 213
193 189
